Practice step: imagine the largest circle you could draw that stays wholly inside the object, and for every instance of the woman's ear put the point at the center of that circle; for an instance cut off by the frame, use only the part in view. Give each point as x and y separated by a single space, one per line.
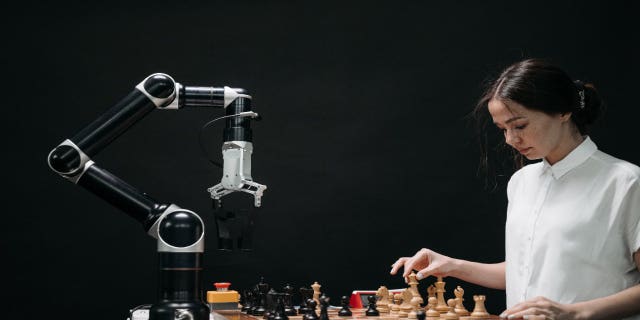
565 116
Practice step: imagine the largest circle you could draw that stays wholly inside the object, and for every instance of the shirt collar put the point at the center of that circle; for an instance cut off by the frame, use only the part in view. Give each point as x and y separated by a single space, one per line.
576 157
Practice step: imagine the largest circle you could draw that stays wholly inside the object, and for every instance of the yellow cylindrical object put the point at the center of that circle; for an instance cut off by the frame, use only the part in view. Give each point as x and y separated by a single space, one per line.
223 296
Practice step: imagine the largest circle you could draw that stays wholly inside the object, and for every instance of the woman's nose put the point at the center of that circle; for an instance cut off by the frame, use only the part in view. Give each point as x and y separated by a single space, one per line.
511 137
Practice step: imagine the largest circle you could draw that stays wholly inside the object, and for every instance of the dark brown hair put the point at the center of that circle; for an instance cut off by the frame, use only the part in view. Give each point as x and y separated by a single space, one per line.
536 85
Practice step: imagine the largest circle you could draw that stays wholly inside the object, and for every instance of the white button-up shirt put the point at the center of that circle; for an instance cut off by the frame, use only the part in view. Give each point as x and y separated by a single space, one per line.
572 228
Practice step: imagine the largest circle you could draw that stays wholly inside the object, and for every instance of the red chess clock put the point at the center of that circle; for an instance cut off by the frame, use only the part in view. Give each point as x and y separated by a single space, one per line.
359 298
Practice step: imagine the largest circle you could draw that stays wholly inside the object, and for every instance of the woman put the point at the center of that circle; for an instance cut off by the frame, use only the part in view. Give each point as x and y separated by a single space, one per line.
572 234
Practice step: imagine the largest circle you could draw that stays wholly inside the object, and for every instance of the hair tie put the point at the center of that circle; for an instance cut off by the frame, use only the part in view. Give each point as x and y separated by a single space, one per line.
580 86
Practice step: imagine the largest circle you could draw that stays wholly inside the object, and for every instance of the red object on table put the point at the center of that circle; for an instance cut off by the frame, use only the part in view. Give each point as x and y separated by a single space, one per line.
222 286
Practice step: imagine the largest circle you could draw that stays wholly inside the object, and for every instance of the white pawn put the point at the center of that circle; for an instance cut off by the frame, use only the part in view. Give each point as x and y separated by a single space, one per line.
452 315
395 306
431 312
415 306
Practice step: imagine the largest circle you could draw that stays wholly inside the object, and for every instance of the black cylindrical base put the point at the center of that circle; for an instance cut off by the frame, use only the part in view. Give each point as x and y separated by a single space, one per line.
180 289
168 310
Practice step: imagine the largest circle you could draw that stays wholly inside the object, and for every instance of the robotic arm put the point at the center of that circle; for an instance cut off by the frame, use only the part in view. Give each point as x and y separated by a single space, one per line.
180 232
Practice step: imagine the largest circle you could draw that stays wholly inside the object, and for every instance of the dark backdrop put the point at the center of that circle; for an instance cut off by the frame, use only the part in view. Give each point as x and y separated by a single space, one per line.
364 145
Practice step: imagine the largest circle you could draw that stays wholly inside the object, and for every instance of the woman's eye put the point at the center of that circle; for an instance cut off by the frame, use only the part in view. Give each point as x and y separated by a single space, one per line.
521 127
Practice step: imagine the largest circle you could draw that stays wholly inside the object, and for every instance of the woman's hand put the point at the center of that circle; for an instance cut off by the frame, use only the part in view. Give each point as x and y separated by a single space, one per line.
426 262
540 308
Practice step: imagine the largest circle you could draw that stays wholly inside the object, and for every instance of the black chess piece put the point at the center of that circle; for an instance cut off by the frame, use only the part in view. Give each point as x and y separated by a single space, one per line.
372 311
305 295
324 307
289 310
270 305
345 311
280 313
263 288
255 300
246 300
311 310
421 315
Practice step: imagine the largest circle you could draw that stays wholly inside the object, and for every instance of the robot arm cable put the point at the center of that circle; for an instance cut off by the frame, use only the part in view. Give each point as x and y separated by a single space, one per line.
251 114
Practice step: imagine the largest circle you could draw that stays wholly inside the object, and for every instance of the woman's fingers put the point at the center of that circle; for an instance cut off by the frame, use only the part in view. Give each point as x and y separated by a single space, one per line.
398 264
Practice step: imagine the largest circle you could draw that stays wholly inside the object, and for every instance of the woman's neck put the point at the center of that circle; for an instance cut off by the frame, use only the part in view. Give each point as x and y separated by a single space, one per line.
572 141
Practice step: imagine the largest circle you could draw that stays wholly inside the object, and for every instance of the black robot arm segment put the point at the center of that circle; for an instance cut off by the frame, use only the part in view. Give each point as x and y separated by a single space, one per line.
158 91
72 158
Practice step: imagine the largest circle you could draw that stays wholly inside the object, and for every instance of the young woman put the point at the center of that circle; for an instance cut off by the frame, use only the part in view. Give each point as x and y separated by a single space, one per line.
572 233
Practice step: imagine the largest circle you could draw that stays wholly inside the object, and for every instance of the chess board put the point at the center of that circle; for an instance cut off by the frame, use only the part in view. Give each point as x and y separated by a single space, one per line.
333 314
399 301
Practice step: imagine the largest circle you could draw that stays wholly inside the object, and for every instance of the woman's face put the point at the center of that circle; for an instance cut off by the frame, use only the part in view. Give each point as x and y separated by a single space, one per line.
534 134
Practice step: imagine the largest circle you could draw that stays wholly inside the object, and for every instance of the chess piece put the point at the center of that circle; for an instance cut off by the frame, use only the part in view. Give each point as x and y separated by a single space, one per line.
345 311
460 309
395 306
289 310
479 310
405 307
279 313
311 311
324 307
305 295
431 292
371 310
415 306
421 315
431 312
316 292
442 305
451 314
413 284
270 305
246 300
263 289
383 299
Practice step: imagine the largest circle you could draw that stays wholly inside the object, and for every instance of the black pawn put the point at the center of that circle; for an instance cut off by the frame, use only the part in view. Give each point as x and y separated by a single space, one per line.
324 308
305 295
255 298
311 312
270 306
279 313
247 300
421 315
372 311
345 311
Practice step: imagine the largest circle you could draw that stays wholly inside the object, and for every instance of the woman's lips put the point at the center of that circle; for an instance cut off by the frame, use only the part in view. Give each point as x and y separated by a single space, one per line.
524 150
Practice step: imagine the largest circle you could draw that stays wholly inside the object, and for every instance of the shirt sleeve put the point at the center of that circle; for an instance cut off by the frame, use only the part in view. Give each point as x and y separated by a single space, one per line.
631 207
513 184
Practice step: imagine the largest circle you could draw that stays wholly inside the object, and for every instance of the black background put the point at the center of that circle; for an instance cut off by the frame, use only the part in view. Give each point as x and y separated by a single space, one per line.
364 144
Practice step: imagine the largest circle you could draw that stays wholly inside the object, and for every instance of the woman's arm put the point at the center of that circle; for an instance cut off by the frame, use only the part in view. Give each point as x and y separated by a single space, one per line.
619 305
490 275
622 304
428 262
